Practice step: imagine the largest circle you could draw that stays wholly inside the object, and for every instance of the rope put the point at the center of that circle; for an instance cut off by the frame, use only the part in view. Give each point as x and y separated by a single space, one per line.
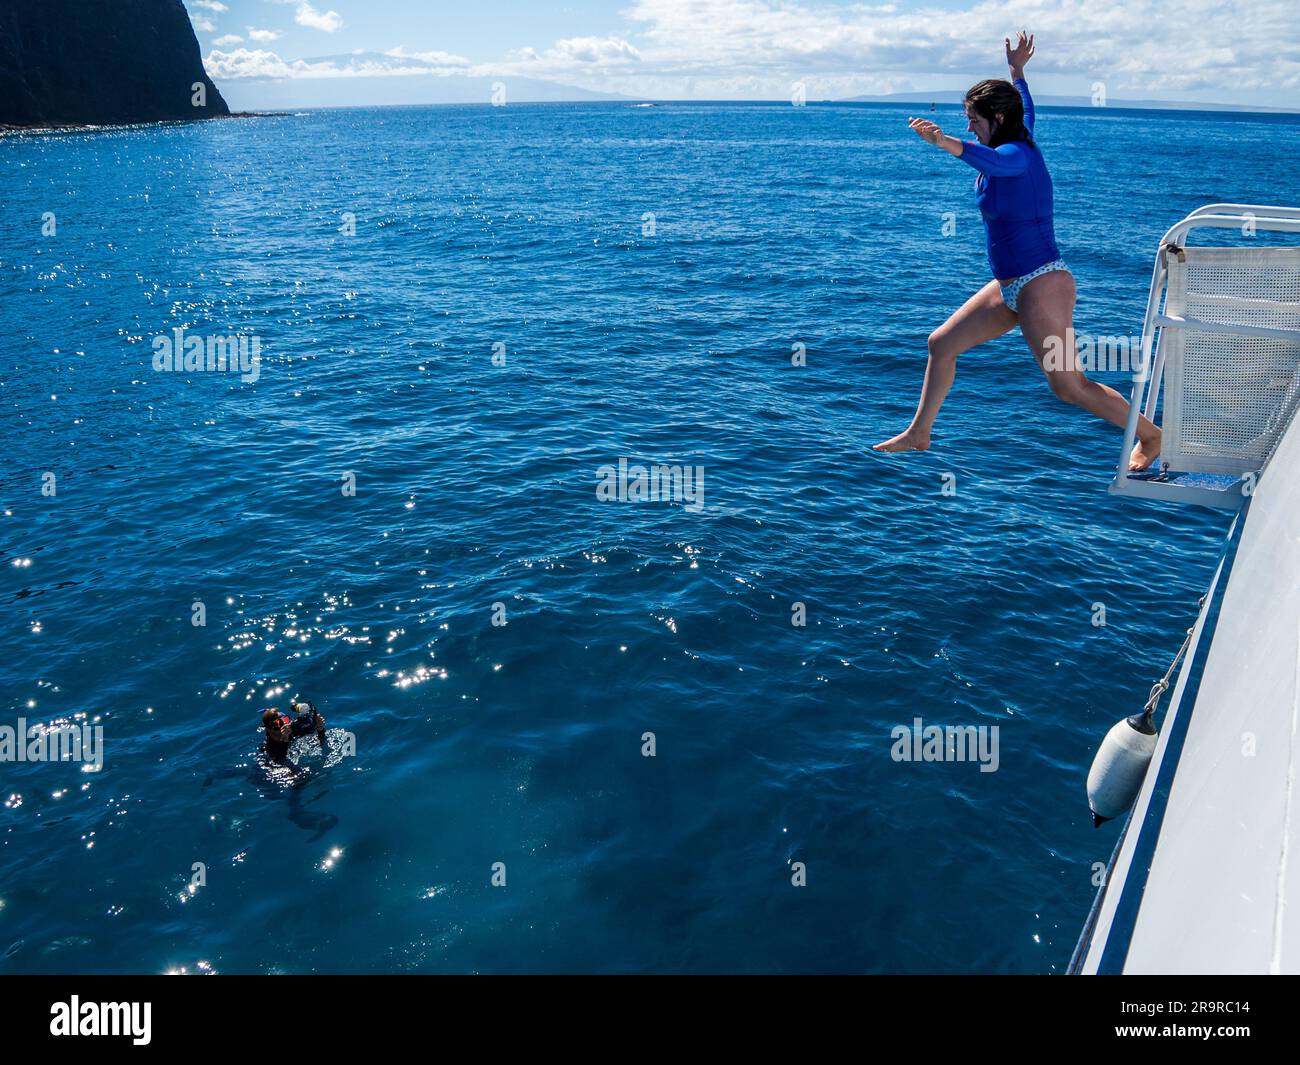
1162 685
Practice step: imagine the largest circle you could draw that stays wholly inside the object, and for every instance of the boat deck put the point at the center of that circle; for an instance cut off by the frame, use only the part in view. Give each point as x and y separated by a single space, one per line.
1207 878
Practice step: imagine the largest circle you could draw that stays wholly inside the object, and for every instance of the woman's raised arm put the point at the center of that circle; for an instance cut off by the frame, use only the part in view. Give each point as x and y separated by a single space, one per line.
1017 57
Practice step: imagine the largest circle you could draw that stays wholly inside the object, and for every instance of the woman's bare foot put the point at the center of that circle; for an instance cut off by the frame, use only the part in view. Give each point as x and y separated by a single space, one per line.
907 440
1145 453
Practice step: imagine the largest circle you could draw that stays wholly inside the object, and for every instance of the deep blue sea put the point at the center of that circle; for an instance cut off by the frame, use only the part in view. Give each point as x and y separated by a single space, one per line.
523 232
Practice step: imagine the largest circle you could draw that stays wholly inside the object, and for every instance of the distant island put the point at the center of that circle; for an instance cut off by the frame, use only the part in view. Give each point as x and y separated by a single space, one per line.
376 79
92 63
953 97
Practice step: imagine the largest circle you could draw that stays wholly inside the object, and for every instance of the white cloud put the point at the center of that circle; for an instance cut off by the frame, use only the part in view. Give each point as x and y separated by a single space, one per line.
435 58
229 38
262 35
244 63
595 50
212 5
724 49
203 24
329 21
1151 45
571 59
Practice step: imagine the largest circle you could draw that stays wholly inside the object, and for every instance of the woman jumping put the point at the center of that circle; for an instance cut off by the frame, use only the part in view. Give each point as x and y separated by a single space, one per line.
1032 286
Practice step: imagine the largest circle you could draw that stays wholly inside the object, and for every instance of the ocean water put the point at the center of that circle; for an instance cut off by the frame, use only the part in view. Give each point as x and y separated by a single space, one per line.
523 232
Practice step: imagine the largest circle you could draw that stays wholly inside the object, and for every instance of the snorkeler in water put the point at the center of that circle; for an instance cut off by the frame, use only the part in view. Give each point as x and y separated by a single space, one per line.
282 730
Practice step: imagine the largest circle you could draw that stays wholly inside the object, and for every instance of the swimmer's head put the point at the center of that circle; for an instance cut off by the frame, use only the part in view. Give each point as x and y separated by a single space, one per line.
270 717
995 113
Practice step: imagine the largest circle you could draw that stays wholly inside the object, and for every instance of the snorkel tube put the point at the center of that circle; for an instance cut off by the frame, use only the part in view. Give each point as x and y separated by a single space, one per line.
307 719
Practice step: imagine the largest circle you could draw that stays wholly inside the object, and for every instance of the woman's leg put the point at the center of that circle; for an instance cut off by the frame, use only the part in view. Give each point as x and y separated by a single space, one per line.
1046 307
981 318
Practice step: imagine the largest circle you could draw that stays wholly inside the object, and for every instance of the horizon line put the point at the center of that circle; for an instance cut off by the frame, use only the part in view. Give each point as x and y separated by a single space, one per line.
1121 105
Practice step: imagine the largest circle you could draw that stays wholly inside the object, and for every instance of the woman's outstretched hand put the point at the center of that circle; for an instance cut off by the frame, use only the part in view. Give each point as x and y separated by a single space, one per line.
926 130
1018 56
929 132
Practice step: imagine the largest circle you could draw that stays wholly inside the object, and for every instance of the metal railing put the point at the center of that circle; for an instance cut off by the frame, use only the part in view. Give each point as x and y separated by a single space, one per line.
1230 382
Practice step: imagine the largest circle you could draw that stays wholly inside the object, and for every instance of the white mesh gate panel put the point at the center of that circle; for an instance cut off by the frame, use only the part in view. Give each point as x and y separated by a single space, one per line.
1228 398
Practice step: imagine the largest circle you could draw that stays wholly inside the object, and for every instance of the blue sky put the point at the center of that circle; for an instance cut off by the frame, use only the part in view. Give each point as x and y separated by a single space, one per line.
1220 51
478 29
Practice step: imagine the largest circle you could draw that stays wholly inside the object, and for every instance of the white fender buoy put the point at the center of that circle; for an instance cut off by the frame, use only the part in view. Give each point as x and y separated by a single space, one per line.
1120 766
1121 763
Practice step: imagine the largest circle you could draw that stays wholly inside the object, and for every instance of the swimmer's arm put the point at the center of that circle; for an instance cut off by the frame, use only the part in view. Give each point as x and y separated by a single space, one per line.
932 134
1022 87
1008 160
951 145
1017 56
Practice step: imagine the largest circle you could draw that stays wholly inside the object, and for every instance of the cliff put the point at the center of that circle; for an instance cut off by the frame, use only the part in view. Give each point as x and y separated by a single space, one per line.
91 62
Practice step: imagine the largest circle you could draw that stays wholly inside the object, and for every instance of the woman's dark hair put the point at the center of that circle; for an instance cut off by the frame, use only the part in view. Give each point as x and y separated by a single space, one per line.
992 97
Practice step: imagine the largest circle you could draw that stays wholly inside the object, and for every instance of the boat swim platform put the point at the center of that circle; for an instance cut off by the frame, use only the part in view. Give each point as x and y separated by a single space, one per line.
1220 358
1220 490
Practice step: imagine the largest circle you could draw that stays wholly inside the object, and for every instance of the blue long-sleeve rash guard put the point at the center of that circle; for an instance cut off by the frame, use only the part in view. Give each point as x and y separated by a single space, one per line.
1014 194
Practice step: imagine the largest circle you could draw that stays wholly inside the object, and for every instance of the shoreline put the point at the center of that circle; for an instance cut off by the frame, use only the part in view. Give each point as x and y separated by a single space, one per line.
7 130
